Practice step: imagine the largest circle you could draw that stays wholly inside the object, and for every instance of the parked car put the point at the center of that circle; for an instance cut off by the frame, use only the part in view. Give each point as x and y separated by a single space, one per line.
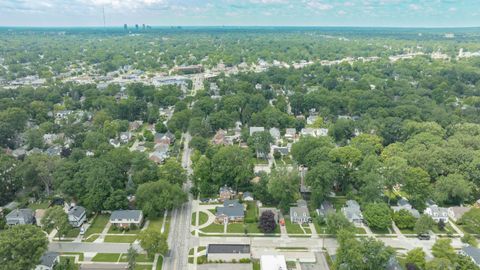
424 236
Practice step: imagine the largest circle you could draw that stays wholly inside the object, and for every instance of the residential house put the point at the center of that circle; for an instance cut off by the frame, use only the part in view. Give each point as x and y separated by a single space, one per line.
126 218
166 138
247 196
231 211
352 212
325 208
275 133
437 213
322 132
275 212
393 264
472 252
273 262
226 193
290 134
50 138
76 216
48 261
53 151
219 138
308 132
457 212
403 204
477 203
19 153
228 252
311 119
282 150
39 214
132 126
125 137
256 129
300 213
114 142
20 217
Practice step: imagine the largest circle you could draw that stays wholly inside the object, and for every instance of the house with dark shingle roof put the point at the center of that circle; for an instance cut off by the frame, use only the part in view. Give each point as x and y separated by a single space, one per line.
77 216
48 261
228 252
472 252
352 212
126 218
20 217
231 211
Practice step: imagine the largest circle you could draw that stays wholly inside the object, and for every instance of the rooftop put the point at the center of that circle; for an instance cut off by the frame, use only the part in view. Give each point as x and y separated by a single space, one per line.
228 249
126 214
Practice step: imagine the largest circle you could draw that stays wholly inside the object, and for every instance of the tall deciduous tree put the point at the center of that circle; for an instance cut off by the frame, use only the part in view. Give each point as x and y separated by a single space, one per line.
153 242
378 215
283 186
173 172
56 218
22 246
155 197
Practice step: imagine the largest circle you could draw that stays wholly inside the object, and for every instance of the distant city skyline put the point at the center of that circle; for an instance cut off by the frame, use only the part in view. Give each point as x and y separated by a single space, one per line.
375 13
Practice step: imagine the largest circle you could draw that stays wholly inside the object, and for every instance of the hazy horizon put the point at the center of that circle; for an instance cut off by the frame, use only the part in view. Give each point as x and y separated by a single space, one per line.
261 13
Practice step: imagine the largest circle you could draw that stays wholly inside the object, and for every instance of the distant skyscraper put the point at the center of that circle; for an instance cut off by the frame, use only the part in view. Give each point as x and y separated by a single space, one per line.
125 27
136 26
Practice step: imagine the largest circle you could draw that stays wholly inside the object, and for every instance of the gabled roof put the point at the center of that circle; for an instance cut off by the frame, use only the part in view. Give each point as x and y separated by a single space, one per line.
231 208
126 215
25 213
48 259
473 253
76 211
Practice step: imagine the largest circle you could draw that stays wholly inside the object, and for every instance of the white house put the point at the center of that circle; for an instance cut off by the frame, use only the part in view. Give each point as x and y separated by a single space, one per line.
437 213
76 216
126 218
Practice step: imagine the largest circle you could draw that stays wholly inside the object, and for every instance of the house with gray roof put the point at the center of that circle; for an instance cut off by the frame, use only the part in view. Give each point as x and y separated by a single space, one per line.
77 216
20 217
48 261
126 218
403 204
472 252
300 213
275 133
231 211
290 134
457 212
352 212
228 252
325 208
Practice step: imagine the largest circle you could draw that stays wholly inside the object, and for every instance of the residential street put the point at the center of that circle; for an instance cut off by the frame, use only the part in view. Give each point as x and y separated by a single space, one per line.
91 247
179 237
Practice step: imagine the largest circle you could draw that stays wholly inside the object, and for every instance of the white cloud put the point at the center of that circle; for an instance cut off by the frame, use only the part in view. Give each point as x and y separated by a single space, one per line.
319 6
341 12
269 1
452 9
117 4
414 7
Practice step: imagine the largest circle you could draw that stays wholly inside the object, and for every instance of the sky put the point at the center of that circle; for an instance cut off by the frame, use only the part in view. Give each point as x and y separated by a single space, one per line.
377 13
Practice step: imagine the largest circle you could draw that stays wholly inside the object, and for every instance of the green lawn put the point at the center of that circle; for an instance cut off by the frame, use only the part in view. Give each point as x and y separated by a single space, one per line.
106 257
72 233
91 238
407 231
71 262
98 225
235 228
120 238
143 267
252 228
380 231
447 229
38 205
359 230
256 265
116 230
80 255
252 211
159 263
202 218
292 228
140 258
213 228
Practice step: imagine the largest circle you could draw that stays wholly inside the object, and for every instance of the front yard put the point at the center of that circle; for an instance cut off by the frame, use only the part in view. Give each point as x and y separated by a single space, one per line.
120 238
97 225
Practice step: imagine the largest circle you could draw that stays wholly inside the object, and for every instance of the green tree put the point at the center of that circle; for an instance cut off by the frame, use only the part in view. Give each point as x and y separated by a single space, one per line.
56 218
132 255
337 222
153 242
321 178
471 220
378 216
439 264
443 249
424 224
22 246
404 219
453 189
173 172
415 257
156 197
232 166
116 200
260 141
202 177
417 186
283 186
469 239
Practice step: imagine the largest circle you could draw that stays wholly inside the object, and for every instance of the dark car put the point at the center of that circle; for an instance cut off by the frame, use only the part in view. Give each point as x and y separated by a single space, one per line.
424 236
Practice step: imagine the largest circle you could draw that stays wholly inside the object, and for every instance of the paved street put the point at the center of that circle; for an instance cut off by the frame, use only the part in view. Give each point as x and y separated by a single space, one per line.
179 237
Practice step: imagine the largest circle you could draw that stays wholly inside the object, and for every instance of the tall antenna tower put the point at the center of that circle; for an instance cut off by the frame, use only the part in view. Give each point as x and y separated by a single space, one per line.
104 24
